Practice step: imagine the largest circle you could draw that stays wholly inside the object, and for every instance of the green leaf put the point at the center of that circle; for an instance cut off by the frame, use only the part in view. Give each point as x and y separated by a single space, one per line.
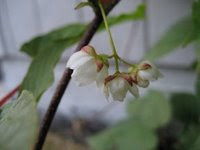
83 4
19 123
153 110
186 107
125 136
197 51
196 144
46 50
196 14
175 37
182 33
189 139
198 86
196 18
195 30
40 74
67 35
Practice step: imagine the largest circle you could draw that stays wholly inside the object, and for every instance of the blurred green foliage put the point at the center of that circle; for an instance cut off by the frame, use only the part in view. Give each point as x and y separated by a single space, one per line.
173 38
138 132
19 123
184 32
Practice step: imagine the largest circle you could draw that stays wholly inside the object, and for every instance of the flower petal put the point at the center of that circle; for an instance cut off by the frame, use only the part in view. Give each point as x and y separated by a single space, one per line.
145 75
85 74
118 88
101 76
151 73
142 83
134 90
78 59
106 91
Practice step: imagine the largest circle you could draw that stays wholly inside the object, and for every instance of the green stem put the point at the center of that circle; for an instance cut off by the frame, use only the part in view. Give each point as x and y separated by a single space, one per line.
125 62
110 37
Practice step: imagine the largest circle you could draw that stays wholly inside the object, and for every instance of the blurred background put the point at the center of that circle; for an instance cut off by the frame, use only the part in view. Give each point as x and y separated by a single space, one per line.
21 20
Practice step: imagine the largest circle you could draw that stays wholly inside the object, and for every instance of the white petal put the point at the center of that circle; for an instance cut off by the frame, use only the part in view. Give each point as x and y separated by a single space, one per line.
133 90
101 76
85 74
78 59
153 72
145 75
143 83
106 91
159 74
118 88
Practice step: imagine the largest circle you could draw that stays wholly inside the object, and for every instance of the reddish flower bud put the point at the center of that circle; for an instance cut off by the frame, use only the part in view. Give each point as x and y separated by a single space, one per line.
89 49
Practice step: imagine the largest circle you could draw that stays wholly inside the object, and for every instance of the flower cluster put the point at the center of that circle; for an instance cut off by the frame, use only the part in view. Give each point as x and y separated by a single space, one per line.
91 67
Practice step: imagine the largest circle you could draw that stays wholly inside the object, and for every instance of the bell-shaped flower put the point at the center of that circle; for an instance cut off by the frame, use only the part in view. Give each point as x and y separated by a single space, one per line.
118 85
87 67
147 72
142 83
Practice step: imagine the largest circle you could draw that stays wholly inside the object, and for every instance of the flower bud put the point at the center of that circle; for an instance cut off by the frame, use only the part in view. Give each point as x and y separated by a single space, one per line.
90 50
148 71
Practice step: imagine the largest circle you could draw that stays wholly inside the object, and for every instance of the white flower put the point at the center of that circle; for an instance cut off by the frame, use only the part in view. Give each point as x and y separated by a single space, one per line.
142 83
148 72
118 86
87 68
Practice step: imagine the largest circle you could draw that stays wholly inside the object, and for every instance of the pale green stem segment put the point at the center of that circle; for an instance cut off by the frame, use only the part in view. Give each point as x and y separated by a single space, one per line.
115 55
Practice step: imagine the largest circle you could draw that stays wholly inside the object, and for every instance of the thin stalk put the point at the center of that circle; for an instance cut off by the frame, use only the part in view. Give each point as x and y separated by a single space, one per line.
125 62
110 37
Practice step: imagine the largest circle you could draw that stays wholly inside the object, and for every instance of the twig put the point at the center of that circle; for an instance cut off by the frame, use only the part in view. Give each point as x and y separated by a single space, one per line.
64 81
9 95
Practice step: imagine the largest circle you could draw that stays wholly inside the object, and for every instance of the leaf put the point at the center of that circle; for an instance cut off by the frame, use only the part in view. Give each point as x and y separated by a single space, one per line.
195 30
197 51
186 107
40 74
153 110
83 4
198 86
47 50
196 18
189 139
69 35
196 13
182 33
19 123
196 144
173 38
125 136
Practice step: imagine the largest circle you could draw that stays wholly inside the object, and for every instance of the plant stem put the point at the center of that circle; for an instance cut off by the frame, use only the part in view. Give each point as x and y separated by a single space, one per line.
9 95
110 37
125 62
64 81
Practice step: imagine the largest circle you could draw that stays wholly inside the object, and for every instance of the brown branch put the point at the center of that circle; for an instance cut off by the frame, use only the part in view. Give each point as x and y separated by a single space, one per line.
64 81
8 95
